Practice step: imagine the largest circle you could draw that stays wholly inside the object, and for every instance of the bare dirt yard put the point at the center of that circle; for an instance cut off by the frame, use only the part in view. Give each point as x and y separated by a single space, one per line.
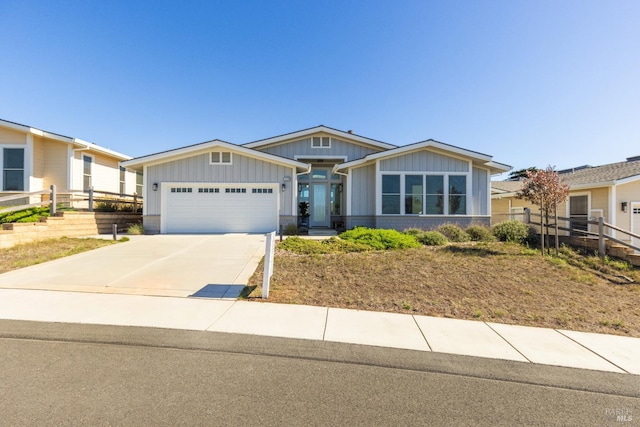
497 282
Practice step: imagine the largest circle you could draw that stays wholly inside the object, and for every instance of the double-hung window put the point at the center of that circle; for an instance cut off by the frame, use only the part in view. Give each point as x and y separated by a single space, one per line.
87 167
139 183
413 194
457 194
13 169
390 194
123 181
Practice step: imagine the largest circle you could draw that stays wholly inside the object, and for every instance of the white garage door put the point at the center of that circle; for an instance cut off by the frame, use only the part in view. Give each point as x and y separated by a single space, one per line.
198 208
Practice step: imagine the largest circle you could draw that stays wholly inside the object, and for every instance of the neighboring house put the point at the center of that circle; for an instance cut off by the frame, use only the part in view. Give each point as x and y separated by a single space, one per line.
347 180
610 191
33 159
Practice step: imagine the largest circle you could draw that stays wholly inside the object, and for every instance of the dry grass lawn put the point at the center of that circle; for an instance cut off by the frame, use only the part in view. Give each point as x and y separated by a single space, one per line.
495 282
27 254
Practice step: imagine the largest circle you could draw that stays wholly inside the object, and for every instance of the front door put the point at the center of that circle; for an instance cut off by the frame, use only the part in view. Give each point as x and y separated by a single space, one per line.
579 213
319 208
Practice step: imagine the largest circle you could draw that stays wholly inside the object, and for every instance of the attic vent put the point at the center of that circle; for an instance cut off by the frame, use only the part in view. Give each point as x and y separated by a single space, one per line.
633 159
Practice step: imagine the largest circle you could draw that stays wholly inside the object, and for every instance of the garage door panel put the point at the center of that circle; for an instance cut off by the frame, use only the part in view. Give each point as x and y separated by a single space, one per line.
221 212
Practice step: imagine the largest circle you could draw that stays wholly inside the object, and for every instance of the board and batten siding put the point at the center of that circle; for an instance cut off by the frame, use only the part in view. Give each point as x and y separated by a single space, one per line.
302 149
363 190
424 161
480 191
197 169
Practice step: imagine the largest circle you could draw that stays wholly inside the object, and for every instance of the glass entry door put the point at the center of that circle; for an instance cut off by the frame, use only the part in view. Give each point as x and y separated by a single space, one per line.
319 208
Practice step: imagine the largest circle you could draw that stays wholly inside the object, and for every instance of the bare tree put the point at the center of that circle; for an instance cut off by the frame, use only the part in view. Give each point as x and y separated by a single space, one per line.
544 188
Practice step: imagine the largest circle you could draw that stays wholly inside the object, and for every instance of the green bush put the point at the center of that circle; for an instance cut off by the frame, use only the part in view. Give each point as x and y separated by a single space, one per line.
329 246
380 239
414 231
432 238
511 231
479 233
135 229
27 215
454 233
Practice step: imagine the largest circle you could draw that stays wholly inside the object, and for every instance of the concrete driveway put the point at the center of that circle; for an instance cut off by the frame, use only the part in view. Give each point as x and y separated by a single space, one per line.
211 266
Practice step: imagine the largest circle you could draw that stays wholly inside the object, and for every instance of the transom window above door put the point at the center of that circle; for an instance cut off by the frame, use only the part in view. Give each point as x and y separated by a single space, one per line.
321 142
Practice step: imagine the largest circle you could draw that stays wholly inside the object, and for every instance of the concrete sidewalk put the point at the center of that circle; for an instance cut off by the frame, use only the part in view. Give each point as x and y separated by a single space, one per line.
472 338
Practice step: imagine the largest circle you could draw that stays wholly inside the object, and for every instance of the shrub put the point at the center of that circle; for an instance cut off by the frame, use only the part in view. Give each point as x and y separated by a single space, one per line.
380 239
290 230
333 245
478 233
432 238
27 215
511 231
413 231
135 229
454 233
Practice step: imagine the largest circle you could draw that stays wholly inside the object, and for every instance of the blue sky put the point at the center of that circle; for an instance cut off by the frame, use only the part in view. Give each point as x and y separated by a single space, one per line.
533 83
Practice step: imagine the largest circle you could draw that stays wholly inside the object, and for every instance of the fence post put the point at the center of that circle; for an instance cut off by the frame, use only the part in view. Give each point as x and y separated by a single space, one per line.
135 203
602 249
52 201
114 229
527 216
268 263
90 199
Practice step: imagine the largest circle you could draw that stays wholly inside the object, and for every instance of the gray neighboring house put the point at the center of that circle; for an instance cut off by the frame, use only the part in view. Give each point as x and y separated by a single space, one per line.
346 180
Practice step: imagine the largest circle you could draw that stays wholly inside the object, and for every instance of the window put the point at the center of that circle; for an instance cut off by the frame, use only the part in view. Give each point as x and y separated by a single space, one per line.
13 169
87 166
181 190
413 194
220 158
424 194
321 142
335 198
208 190
123 182
390 194
139 183
435 195
457 194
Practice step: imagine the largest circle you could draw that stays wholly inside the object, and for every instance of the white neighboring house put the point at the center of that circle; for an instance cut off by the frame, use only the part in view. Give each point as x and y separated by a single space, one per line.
33 159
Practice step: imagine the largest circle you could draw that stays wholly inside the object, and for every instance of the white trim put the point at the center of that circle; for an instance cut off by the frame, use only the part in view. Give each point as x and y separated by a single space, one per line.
323 157
93 162
632 206
70 164
347 192
25 177
378 186
307 132
28 164
402 174
613 214
489 210
205 147
145 190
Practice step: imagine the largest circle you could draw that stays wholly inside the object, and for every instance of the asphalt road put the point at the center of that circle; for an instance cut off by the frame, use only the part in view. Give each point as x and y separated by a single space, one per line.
63 374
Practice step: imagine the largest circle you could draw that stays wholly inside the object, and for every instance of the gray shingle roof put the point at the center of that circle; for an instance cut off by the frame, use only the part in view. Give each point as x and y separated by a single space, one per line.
586 176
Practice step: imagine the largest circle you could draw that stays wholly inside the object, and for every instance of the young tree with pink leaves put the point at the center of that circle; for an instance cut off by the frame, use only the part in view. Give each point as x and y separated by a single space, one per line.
545 189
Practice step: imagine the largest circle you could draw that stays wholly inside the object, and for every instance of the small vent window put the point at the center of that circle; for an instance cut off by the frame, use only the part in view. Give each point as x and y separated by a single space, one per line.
262 190
235 190
181 190
221 158
208 190
321 142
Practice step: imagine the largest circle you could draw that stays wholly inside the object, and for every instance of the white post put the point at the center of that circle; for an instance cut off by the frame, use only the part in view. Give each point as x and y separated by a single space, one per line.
268 263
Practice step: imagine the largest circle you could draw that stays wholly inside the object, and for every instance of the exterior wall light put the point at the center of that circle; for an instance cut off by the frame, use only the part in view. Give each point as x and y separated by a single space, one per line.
155 186
623 206
284 186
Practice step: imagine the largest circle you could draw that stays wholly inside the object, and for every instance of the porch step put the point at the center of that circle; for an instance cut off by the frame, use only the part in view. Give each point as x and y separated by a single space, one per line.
322 232
634 259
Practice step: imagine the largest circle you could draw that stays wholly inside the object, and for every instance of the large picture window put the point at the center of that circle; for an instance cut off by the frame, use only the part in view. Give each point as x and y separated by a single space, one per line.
13 169
424 194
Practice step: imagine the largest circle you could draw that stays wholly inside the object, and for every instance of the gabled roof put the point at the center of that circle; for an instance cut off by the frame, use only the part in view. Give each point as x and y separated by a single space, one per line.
325 129
78 143
179 153
584 177
479 158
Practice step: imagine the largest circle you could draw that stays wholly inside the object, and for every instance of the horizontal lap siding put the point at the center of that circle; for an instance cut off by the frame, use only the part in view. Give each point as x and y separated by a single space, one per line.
626 193
8 136
197 169
303 148
55 167
424 161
